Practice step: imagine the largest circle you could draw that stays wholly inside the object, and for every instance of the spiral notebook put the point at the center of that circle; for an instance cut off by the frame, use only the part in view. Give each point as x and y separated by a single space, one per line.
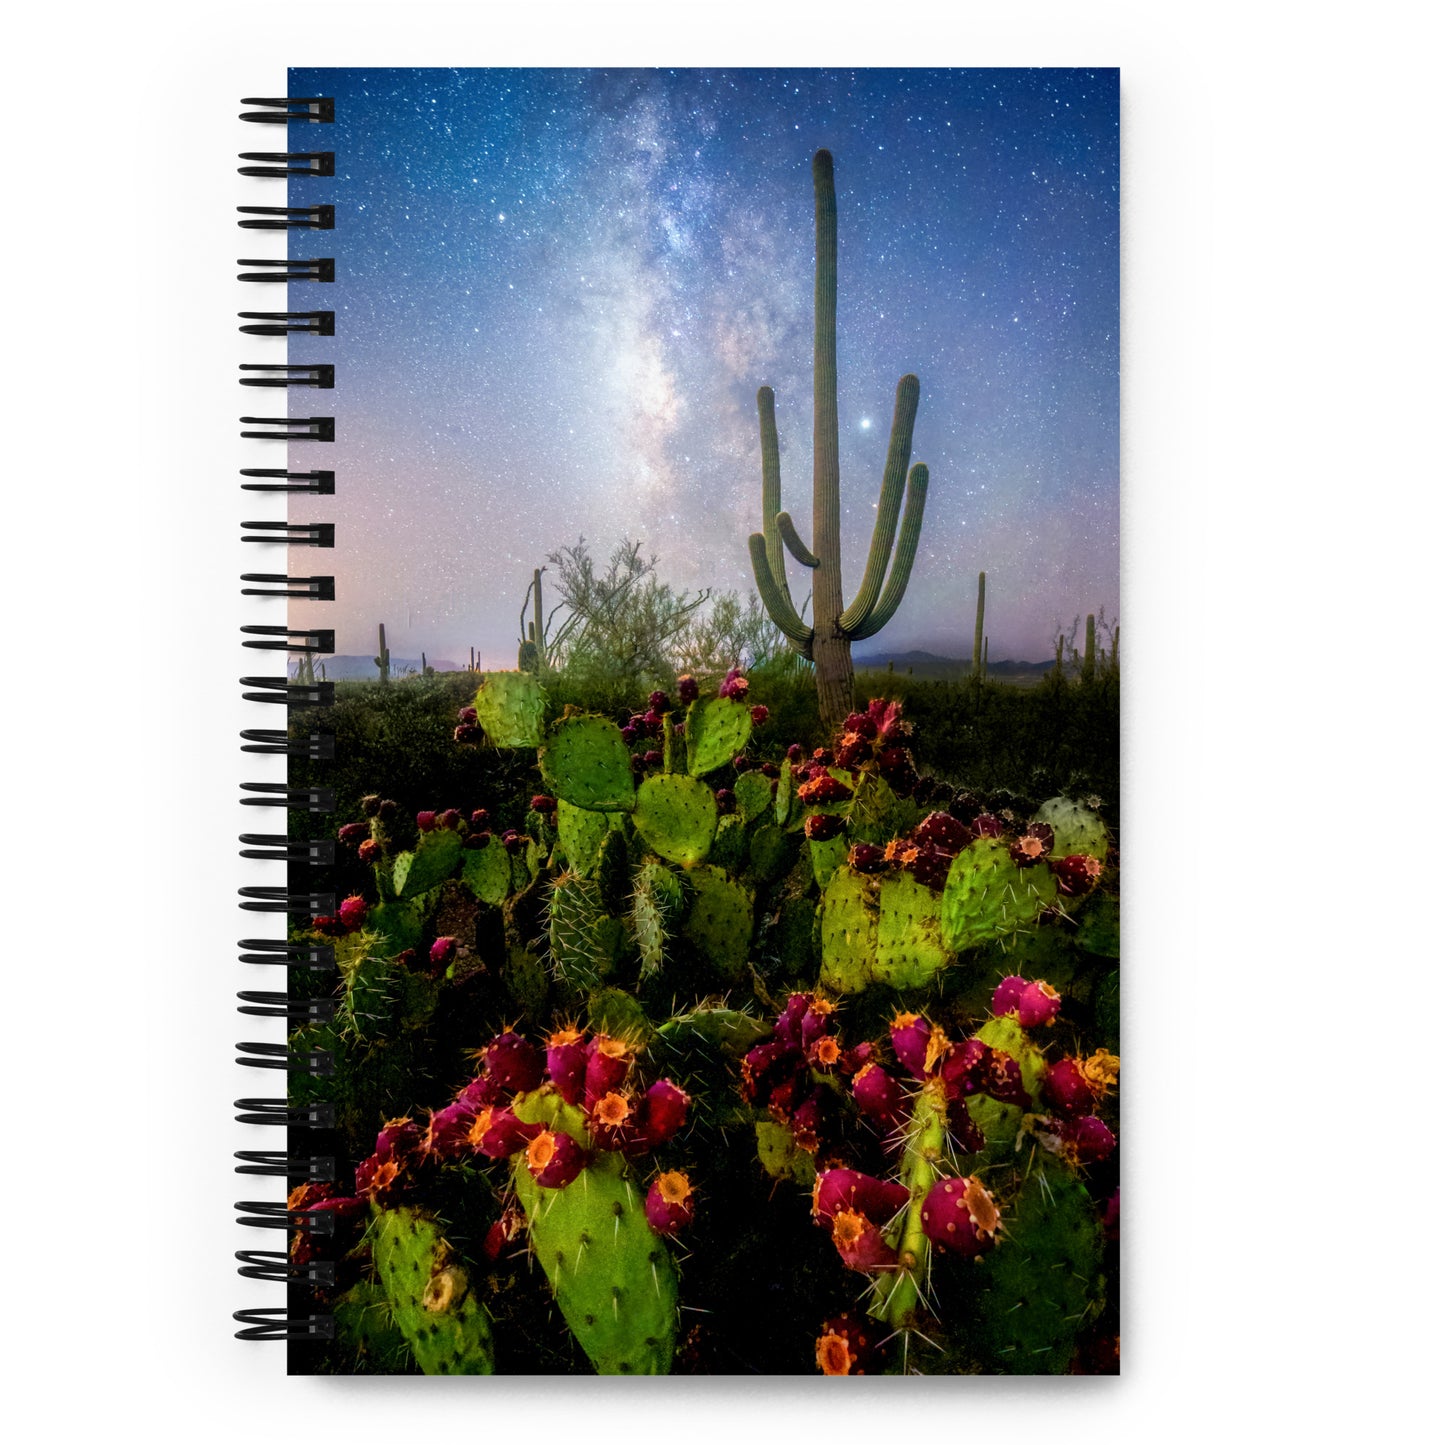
697 588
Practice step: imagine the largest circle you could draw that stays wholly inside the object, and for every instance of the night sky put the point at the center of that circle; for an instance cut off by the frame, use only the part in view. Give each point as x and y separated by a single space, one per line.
559 290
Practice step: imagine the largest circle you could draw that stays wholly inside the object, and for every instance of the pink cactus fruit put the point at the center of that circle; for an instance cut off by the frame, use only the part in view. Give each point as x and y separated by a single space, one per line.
930 867
806 1120
1077 873
352 912
727 800
964 1070
426 821
449 818
350 834
759 715
860 1244
613 1119
824 788
478 1093
1033 845
1038 1004
498 1133
820 827
887 717
789 1027
849 1346
762 1064
554 1160
370 851
824 1052
853 1059
853 750
879 1096
867 858
442 952
816 1019
960 1217
687 688
941 831
1003 1080
1006 995
543 803
466 714
669 1202
1088 1140
480 819
657 701
608 1061
986 825
919 1046
514 1062
734 685
567 1064
467 733
878 1200
447 1131
664 1112
1066 1090
795 753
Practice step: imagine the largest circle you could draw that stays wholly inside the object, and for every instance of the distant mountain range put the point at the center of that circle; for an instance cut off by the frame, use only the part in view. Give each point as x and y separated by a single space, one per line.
948 669
345 668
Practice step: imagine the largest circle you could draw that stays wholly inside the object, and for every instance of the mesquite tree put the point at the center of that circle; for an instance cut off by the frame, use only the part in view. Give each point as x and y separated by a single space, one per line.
835 627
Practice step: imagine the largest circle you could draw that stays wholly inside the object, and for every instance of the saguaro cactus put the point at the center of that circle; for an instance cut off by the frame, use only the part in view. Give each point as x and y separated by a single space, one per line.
383 657
828 641
979 640
1089 653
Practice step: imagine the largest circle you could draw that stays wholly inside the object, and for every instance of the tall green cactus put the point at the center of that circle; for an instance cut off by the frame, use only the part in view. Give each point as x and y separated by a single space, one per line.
978 637
828 642
1089 645
383 657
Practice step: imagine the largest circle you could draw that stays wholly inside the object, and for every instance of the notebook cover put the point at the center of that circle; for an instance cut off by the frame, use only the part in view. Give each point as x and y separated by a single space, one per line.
727 700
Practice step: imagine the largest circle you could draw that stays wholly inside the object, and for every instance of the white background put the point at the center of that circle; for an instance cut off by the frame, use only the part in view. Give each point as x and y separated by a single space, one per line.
1280 620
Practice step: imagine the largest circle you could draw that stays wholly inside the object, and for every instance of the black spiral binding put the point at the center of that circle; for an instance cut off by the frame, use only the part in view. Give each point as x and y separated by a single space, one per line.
310 1157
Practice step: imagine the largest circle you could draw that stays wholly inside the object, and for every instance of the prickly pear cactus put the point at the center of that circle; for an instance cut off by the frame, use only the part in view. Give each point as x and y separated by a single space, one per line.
585 762
430 1295
509 709
910 933
487 872
1076 828
721 920
656 905
987 896
581 833
717 730
999 1122
849 913
580 953
434 860
612 1277
676 817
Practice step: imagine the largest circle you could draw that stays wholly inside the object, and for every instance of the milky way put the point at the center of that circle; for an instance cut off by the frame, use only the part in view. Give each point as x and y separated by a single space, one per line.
558 292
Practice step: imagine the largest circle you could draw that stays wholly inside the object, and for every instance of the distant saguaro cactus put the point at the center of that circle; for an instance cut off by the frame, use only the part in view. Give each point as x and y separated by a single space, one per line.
828 641
978 637
1089 653
383 657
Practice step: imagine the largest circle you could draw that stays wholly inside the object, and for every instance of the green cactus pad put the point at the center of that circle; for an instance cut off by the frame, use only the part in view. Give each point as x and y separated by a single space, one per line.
509 708
1041 1283
787 810
729 849
718 729
365 1326
430 1294
1077 829
726 1029
987 897
754 792
488 872
611 1276
1099 926
581 956
526 863
876 813
770 854
827 857
586 762
780 1155
581 832
910 934
617 1014
434 861
849 912
676 816
649 927
720 922
398 926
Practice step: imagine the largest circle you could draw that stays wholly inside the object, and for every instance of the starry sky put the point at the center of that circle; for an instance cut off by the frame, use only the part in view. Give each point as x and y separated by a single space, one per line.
559 290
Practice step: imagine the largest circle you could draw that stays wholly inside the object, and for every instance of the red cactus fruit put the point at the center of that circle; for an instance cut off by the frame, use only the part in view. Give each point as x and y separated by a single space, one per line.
820 827
1003 1080
541 803
467 733
370 851
742 763
888 718
727 800
480 819
930 867
965 1133
555 1159
613 1120
816 1018
449 818
426 821
806 1120
824 1052
447 1131
608 1061
1088 1140
466 714
514 1062
761 1065
657 701
878 1200
866 858
664 1112
771 771
1006 995
567 1064
853 750
398 1139
1033 845
789 1027
879 1096
861 1245
734 685
687 688
943 832
485 1089
986 825
498 1133
853 1059
898 771
964 1069
759 715
442 952
350 834
1038 1004
825 788
513 841
1066 1090
849 1346
911 1035
652 759
669 1202
960 1217
352 912
1076 874
494 1242
795 753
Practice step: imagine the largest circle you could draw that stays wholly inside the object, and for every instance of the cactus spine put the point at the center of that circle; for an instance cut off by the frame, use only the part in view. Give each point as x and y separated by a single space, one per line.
828 641
979 641
383 657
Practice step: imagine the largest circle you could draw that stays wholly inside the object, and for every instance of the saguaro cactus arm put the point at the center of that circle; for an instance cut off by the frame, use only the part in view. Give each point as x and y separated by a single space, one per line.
890 501
907 549
792 541
775 598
